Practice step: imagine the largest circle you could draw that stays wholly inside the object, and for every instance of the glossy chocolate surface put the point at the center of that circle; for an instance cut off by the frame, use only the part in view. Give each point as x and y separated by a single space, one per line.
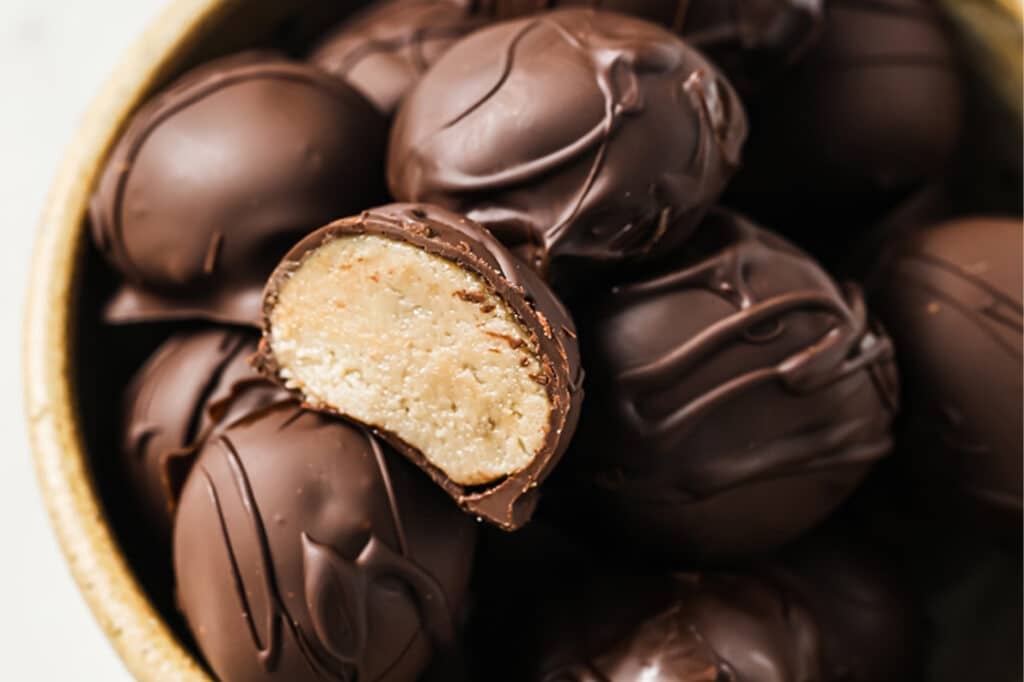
195 382
825 610
218 175
950 295
750 40
871 113
735 399
579 138
383 51
510 502
305 549
710 627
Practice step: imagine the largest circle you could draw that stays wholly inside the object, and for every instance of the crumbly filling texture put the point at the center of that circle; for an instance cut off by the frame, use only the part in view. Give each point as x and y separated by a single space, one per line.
408 341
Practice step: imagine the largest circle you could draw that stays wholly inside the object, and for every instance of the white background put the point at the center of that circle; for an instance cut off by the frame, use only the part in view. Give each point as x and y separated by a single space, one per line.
54 55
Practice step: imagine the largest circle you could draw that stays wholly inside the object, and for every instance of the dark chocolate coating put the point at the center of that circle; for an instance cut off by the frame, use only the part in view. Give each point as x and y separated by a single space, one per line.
218 175
871 113
684 628
951 297
825 611
384 50
870 628
510 502
304 549
579 138
193 383
735 399
750 40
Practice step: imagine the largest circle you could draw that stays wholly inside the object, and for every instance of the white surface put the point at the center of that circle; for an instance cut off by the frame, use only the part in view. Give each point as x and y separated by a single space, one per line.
54 55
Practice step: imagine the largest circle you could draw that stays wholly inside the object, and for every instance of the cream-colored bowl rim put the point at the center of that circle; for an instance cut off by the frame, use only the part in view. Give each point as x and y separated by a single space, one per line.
147 646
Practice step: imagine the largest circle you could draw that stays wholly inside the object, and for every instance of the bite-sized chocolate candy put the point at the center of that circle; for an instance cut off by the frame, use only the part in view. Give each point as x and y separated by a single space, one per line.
419 323
217 176
825 611
385 49
951 296
750 40
579 138
304 549
194 382
736 399
872 112
685 628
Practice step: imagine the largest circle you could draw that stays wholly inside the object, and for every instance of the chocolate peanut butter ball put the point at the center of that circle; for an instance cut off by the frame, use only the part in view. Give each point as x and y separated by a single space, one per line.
870 114
384 50
305 549
217 176
827 610
419 323
753 42
951 296
734 400
580 138
195 382
688 627
750 40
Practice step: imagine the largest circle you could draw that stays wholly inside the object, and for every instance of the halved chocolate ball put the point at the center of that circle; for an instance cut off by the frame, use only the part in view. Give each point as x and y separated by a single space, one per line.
735 399
580 138
417 322
304 549
217 176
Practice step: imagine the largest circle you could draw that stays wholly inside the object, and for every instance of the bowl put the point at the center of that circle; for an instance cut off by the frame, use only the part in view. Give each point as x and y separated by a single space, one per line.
74 366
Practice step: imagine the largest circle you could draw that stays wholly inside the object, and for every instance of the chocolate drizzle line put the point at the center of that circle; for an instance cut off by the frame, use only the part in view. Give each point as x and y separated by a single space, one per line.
142 430
267 654
414 40
385 477
1005 309
231 348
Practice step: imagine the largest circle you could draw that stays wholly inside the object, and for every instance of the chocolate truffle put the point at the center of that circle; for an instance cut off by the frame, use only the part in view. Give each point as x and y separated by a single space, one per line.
750 40
419 323
871 113
825 611
217 176
304 549
735 399
686 628
951 296
384 50
580 138
194 382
